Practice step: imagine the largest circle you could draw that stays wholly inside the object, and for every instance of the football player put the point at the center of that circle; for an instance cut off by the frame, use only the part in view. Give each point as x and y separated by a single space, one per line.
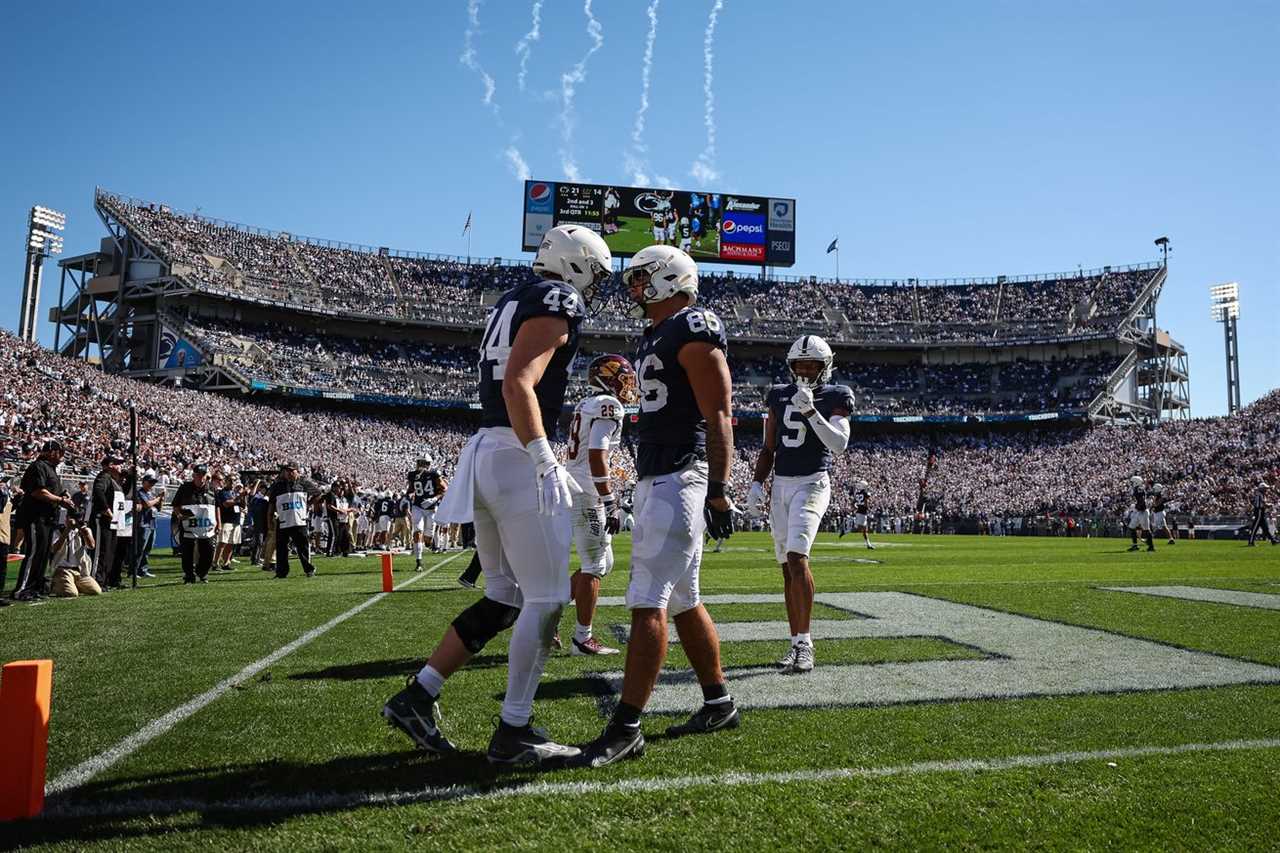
1139 518
686 234
1158 521
683 461
659 218
595 432
672 217
426 488
862 512
808 422
521 497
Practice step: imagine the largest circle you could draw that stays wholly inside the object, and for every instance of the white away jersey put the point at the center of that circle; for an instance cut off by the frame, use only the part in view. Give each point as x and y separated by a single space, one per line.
601 409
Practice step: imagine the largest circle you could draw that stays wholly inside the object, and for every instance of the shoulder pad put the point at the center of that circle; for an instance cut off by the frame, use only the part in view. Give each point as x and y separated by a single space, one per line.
594 406
551 299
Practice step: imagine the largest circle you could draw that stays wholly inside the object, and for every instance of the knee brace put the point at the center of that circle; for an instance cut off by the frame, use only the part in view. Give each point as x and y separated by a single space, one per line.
483 621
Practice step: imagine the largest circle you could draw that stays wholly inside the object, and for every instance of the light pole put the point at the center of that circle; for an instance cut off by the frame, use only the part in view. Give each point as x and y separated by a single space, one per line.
43 240
1225 309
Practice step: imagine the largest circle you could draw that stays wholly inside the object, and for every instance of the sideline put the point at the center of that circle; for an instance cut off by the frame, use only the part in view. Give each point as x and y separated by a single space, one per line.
356 799
87 769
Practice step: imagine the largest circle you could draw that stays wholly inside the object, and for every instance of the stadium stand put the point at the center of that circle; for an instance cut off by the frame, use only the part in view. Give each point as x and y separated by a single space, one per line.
1209 465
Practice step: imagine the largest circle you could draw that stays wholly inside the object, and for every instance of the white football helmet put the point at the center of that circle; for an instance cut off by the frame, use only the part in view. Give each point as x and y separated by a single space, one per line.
424 461
1135 481
810 348
670 270
862 484
577 255
1158 489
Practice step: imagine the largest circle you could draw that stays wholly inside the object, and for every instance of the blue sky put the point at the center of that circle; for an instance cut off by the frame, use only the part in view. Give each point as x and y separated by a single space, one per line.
935 139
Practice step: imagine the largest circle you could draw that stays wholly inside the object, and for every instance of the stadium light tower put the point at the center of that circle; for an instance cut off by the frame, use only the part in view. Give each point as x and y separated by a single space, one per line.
43 240
1225 309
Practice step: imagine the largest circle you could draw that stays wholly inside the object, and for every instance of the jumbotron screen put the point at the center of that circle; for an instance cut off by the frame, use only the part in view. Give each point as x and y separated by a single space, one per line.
720 227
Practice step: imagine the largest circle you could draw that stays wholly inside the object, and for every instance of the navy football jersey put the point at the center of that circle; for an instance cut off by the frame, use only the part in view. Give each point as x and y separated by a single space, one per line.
424 488
798 451
383 506
1157 504
671 431
535 299
1139 499
861 501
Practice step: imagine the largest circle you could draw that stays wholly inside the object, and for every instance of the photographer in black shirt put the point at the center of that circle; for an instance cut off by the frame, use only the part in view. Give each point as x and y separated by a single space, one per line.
37 515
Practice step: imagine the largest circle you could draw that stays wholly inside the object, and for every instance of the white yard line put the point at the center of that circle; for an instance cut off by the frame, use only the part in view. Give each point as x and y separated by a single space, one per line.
355 799
86 770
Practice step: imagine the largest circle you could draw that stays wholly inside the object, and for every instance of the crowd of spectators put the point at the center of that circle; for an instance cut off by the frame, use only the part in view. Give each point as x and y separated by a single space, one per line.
345 280
1208 465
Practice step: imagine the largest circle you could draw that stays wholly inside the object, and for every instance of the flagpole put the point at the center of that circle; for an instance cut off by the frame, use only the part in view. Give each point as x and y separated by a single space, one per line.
837 261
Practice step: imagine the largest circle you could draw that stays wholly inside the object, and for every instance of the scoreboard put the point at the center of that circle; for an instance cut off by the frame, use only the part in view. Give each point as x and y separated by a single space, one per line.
727 228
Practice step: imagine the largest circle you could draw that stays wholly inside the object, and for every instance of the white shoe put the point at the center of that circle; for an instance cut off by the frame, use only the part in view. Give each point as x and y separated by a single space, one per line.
870 547
788 660
804 657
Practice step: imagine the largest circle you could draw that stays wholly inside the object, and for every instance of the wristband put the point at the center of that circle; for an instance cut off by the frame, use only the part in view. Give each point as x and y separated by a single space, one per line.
715 490
539 450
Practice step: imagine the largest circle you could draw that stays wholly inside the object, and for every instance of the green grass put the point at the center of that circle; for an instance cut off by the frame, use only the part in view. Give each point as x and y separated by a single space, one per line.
310 723
636 232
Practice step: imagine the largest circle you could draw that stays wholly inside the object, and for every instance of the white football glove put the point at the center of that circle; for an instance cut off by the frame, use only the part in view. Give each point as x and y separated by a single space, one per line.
555 487
803 399
755 500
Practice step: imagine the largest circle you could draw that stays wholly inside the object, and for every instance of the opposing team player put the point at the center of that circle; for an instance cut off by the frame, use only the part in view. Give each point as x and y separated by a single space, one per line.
683 462
1158 520
519 496
808 422
595 432
862 512
426 489
1139 517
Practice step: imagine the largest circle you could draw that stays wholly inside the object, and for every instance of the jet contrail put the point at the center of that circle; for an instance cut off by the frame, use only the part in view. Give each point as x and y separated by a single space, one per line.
526 43
635 158
704 168
519 167
568 86
468 57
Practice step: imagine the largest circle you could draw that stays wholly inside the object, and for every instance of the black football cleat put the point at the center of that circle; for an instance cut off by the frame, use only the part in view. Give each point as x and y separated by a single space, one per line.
707 719
414 711
526 746
614 744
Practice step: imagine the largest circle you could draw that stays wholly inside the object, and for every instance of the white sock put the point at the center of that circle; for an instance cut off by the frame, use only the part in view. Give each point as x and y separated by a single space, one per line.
795 638
804 638
526 657
431 680
417 550
582 633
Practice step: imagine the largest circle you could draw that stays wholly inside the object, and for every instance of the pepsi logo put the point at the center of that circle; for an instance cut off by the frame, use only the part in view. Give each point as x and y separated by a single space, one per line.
539 192
729 226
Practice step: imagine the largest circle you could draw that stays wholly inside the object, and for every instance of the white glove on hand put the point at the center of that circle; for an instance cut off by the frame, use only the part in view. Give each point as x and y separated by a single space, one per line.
555 487
803 399
755 501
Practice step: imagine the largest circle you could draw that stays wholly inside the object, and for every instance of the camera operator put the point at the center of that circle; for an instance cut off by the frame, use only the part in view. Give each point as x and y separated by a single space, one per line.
42 498
122 524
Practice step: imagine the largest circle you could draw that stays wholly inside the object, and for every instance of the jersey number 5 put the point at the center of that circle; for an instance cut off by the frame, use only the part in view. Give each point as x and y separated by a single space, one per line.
791 420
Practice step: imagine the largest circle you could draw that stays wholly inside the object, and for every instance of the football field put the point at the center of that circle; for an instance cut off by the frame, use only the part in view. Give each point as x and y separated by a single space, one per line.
636 232
970 692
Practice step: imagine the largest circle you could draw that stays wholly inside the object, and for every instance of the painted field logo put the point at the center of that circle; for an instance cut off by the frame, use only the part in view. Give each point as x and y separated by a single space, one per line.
1024 657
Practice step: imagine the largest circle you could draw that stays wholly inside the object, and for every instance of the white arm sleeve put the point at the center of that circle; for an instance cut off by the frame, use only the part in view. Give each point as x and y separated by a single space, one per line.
602 429
833 433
